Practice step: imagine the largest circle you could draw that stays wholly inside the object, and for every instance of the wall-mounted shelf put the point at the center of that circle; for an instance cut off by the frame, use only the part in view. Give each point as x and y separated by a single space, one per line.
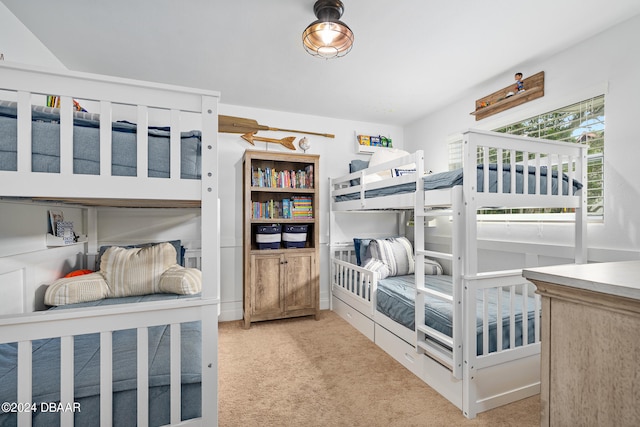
498 101
54 241
368 149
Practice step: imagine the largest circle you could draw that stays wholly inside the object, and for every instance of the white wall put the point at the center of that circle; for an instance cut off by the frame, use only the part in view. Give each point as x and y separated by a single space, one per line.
18 44
607 63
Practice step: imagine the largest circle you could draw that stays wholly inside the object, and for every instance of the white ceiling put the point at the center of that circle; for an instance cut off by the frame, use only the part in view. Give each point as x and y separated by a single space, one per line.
409 56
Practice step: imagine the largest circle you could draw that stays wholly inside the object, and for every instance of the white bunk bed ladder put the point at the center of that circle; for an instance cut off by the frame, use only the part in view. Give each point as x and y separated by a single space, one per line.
450 354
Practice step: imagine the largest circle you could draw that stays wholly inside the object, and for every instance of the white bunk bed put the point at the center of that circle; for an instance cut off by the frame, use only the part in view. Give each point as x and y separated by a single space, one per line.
26 84
480 363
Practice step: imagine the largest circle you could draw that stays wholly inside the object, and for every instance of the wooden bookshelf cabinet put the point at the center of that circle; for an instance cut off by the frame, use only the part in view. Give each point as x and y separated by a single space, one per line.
280 282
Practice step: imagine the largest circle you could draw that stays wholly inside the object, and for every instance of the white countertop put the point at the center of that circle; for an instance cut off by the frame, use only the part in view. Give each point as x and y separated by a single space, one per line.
614 278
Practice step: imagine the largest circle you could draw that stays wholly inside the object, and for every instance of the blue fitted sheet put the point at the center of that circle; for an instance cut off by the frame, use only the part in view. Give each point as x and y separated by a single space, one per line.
46 372
86 145
452 178
395 298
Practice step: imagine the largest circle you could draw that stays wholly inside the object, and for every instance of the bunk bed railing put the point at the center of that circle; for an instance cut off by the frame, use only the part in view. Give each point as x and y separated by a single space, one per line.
343 185
357 282
27 84
508 293
506 153
65 324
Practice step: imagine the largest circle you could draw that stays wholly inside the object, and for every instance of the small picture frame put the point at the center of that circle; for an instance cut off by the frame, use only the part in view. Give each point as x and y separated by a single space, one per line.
55 217
65 230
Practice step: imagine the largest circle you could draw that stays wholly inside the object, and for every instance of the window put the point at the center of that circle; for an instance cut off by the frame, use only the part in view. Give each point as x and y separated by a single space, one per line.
582 122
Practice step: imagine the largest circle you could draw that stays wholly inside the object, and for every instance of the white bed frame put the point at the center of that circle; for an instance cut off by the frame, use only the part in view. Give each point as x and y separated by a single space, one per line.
474 383
107 190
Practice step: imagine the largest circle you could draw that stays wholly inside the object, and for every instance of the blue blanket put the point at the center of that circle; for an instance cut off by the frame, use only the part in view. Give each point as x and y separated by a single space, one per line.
86 145
395 298
455 177
46 373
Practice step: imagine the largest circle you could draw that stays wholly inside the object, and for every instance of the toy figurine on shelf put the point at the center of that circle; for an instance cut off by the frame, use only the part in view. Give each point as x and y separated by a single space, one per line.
519 84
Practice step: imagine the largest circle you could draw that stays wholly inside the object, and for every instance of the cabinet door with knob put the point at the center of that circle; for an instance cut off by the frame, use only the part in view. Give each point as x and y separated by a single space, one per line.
266 290
283 283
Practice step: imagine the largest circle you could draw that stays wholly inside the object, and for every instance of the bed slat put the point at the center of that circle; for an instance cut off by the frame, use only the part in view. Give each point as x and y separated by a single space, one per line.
25 380
485 321
66 378
549 174
143 376
106 378
66 135
105 137
176 377
142 141
499 324
512 317
525 315
24 131
174 143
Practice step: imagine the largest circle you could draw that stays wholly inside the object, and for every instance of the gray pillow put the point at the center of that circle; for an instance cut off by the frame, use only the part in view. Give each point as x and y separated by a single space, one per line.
355 166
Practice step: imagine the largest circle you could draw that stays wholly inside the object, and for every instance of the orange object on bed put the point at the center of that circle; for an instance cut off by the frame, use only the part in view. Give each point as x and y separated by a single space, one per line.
78 273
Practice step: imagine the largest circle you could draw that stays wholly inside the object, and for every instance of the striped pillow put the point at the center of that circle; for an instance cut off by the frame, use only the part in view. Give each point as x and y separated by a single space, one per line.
71 290
136 271
432 267
395 252
180 280
378 267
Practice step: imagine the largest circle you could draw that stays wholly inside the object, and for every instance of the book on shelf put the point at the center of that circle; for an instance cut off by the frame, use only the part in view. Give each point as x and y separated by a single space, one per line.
286 208
272 178
309 176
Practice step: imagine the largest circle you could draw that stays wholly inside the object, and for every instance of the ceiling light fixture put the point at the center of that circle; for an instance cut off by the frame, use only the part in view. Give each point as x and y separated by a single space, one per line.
328 37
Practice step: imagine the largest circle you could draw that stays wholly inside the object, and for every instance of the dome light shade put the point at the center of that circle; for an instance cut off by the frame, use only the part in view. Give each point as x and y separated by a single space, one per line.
328 37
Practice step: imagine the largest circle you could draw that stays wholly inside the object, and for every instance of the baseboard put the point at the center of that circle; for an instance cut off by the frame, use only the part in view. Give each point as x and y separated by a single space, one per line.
232 310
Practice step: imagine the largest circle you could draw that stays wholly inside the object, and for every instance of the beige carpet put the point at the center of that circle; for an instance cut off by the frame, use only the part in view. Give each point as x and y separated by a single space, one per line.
303 372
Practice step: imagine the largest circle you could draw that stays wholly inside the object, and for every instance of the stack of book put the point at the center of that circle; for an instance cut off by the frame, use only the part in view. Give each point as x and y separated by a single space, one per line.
301 207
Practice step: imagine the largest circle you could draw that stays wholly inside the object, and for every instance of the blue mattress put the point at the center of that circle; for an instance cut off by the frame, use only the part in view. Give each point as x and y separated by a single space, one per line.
46 373
395 298
86 145
452 178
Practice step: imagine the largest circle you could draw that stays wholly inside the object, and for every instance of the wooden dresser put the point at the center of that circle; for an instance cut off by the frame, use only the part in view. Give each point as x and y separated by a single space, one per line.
590 361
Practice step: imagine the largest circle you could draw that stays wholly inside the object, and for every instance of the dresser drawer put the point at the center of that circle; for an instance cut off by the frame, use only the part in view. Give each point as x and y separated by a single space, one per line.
358 320
399 350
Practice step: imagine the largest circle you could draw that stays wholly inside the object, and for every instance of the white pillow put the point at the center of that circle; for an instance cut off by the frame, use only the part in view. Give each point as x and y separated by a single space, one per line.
386 155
